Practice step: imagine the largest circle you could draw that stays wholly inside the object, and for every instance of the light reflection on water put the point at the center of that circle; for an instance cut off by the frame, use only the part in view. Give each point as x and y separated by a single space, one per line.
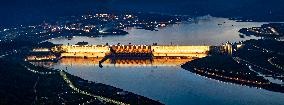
171 84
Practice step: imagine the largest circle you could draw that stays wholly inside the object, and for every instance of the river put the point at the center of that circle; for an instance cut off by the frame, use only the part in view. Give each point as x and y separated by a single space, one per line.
165 80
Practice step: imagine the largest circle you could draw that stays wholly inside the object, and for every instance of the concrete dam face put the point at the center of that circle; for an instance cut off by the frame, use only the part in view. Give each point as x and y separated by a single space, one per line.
91 51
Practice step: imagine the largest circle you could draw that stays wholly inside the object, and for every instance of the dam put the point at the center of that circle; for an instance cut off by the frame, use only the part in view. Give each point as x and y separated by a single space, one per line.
82 50
122 51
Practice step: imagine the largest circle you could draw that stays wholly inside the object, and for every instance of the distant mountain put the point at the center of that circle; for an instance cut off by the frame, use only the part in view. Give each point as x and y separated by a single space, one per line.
34 11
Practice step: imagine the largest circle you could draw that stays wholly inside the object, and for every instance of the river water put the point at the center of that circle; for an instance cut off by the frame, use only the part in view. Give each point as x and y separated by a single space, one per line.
164 80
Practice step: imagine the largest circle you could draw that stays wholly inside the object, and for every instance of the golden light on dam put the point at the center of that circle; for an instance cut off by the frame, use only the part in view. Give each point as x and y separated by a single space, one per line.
156 51
82 51
129 55
131 48
180 51
86 48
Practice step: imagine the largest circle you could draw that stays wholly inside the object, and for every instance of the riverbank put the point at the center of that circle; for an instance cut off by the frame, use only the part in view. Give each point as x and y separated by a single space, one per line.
226 69
271 30
48 86
256 63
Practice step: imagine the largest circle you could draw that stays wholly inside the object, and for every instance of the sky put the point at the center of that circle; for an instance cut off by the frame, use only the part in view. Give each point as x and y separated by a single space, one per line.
15 12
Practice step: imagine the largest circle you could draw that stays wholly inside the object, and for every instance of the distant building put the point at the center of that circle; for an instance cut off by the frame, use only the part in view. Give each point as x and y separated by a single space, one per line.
228 47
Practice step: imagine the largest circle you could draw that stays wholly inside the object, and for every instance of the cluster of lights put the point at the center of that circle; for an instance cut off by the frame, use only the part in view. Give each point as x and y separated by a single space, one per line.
231 78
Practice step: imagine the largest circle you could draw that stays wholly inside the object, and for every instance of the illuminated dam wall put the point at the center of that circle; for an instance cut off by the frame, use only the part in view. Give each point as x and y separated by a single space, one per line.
180 51
82 50
156 51
131 48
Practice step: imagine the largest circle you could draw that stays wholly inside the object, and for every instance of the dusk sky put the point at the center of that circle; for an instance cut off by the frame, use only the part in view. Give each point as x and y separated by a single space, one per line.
21 11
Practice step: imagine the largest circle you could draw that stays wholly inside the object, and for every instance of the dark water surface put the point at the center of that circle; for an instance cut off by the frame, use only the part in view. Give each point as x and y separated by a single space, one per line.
166 81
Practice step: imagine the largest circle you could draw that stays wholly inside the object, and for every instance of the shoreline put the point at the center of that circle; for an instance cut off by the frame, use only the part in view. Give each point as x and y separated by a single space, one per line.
97 90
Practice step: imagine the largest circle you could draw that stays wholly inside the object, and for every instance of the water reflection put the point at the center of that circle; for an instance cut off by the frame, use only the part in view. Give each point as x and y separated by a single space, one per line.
169 84
122 62
163 79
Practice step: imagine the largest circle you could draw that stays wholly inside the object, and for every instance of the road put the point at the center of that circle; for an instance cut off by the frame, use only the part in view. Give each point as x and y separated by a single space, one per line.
101 98
276 65
35 91
73 87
